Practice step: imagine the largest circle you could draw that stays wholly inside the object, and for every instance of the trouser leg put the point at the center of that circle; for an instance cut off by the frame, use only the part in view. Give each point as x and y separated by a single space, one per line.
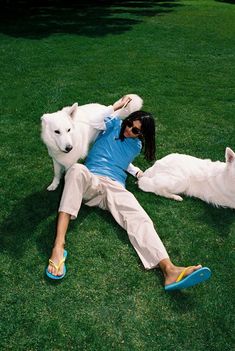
131 216
80 184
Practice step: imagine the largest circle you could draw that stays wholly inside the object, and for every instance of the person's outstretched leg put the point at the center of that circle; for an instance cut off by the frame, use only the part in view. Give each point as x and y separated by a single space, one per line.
140 229
58 249
79 183
131 216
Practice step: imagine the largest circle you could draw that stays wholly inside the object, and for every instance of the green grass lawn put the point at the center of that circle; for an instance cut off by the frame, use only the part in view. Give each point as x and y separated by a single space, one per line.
179 56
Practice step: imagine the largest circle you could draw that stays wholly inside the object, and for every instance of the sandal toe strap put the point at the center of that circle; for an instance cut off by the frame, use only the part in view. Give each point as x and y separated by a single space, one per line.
53 264
182 274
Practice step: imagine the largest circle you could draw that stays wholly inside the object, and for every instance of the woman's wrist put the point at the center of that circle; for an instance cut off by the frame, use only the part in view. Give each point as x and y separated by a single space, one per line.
139 174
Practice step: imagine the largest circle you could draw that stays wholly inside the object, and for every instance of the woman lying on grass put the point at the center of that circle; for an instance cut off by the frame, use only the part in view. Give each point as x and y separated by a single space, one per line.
101 182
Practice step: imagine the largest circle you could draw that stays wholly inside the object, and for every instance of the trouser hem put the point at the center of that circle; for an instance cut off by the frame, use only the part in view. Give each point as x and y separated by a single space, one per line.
150 266
72 213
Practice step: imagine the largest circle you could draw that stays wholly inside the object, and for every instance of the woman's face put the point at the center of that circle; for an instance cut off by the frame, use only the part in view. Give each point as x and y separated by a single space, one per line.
133 129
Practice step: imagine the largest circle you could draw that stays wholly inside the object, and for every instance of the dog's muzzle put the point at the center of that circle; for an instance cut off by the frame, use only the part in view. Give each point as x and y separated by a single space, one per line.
68 148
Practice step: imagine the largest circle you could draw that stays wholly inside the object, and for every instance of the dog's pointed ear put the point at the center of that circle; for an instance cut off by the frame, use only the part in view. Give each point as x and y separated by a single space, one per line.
45 117
73 109
229 155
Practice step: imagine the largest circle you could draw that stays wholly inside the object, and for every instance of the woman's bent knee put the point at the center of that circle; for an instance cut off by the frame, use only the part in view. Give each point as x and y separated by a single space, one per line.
77 169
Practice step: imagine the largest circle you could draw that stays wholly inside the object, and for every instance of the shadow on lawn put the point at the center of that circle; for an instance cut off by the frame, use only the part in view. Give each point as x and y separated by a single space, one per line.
183 302
218 218
232 2
18 229
36 20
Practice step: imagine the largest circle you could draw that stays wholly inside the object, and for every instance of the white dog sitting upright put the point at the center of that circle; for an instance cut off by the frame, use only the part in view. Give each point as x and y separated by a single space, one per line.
69 132
213 182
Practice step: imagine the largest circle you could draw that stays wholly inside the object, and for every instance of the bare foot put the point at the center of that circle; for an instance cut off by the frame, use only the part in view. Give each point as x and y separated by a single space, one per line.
56 256
171 273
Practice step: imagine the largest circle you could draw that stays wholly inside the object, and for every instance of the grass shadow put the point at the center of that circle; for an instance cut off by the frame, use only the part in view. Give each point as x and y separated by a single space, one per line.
232 2
88 18
18 229
218 218
183 301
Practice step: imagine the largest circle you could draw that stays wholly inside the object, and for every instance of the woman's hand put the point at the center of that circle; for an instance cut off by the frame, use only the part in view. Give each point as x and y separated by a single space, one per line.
139 174
124 101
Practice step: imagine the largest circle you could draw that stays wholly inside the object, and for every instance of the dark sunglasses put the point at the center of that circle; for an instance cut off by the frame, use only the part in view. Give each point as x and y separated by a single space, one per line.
134 130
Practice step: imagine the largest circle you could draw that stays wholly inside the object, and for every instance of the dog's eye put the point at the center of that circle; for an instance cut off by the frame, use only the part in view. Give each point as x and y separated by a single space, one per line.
69 130
57 131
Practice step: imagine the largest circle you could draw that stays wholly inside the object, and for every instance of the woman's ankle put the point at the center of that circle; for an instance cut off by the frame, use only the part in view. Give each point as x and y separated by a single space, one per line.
58 246
166 266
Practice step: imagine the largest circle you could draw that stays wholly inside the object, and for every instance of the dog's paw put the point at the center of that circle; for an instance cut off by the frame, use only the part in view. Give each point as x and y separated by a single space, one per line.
52 186
177 198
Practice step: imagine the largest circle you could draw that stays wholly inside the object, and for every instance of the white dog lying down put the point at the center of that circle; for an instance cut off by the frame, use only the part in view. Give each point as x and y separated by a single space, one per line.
69 132
213 182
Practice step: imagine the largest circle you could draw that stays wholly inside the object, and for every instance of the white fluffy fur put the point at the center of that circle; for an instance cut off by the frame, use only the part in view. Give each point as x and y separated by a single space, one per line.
213 182
68 133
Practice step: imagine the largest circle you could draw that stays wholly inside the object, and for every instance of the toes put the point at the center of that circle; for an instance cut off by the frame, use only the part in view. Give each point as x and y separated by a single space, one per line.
49 269
52 270
194 268
60 272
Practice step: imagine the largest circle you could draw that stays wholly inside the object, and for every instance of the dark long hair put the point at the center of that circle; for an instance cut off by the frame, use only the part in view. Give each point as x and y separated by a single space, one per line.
148 132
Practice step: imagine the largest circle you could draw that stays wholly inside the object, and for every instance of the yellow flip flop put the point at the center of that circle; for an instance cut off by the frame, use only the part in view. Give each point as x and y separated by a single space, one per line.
57 267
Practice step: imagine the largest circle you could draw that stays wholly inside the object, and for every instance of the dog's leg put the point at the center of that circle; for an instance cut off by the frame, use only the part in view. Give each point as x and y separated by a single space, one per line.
58 170
158 186
169 195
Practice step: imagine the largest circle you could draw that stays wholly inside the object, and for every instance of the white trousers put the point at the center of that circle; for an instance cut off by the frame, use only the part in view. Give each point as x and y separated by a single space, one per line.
82 185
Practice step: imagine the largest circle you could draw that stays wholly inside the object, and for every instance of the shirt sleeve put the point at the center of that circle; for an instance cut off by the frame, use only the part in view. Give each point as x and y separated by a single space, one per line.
133 170
110 122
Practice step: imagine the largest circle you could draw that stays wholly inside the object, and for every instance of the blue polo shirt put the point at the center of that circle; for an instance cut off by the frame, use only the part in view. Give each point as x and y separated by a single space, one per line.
110 156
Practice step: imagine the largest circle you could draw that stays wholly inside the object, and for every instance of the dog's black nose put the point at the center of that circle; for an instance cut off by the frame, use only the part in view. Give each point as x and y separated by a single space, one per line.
68 148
